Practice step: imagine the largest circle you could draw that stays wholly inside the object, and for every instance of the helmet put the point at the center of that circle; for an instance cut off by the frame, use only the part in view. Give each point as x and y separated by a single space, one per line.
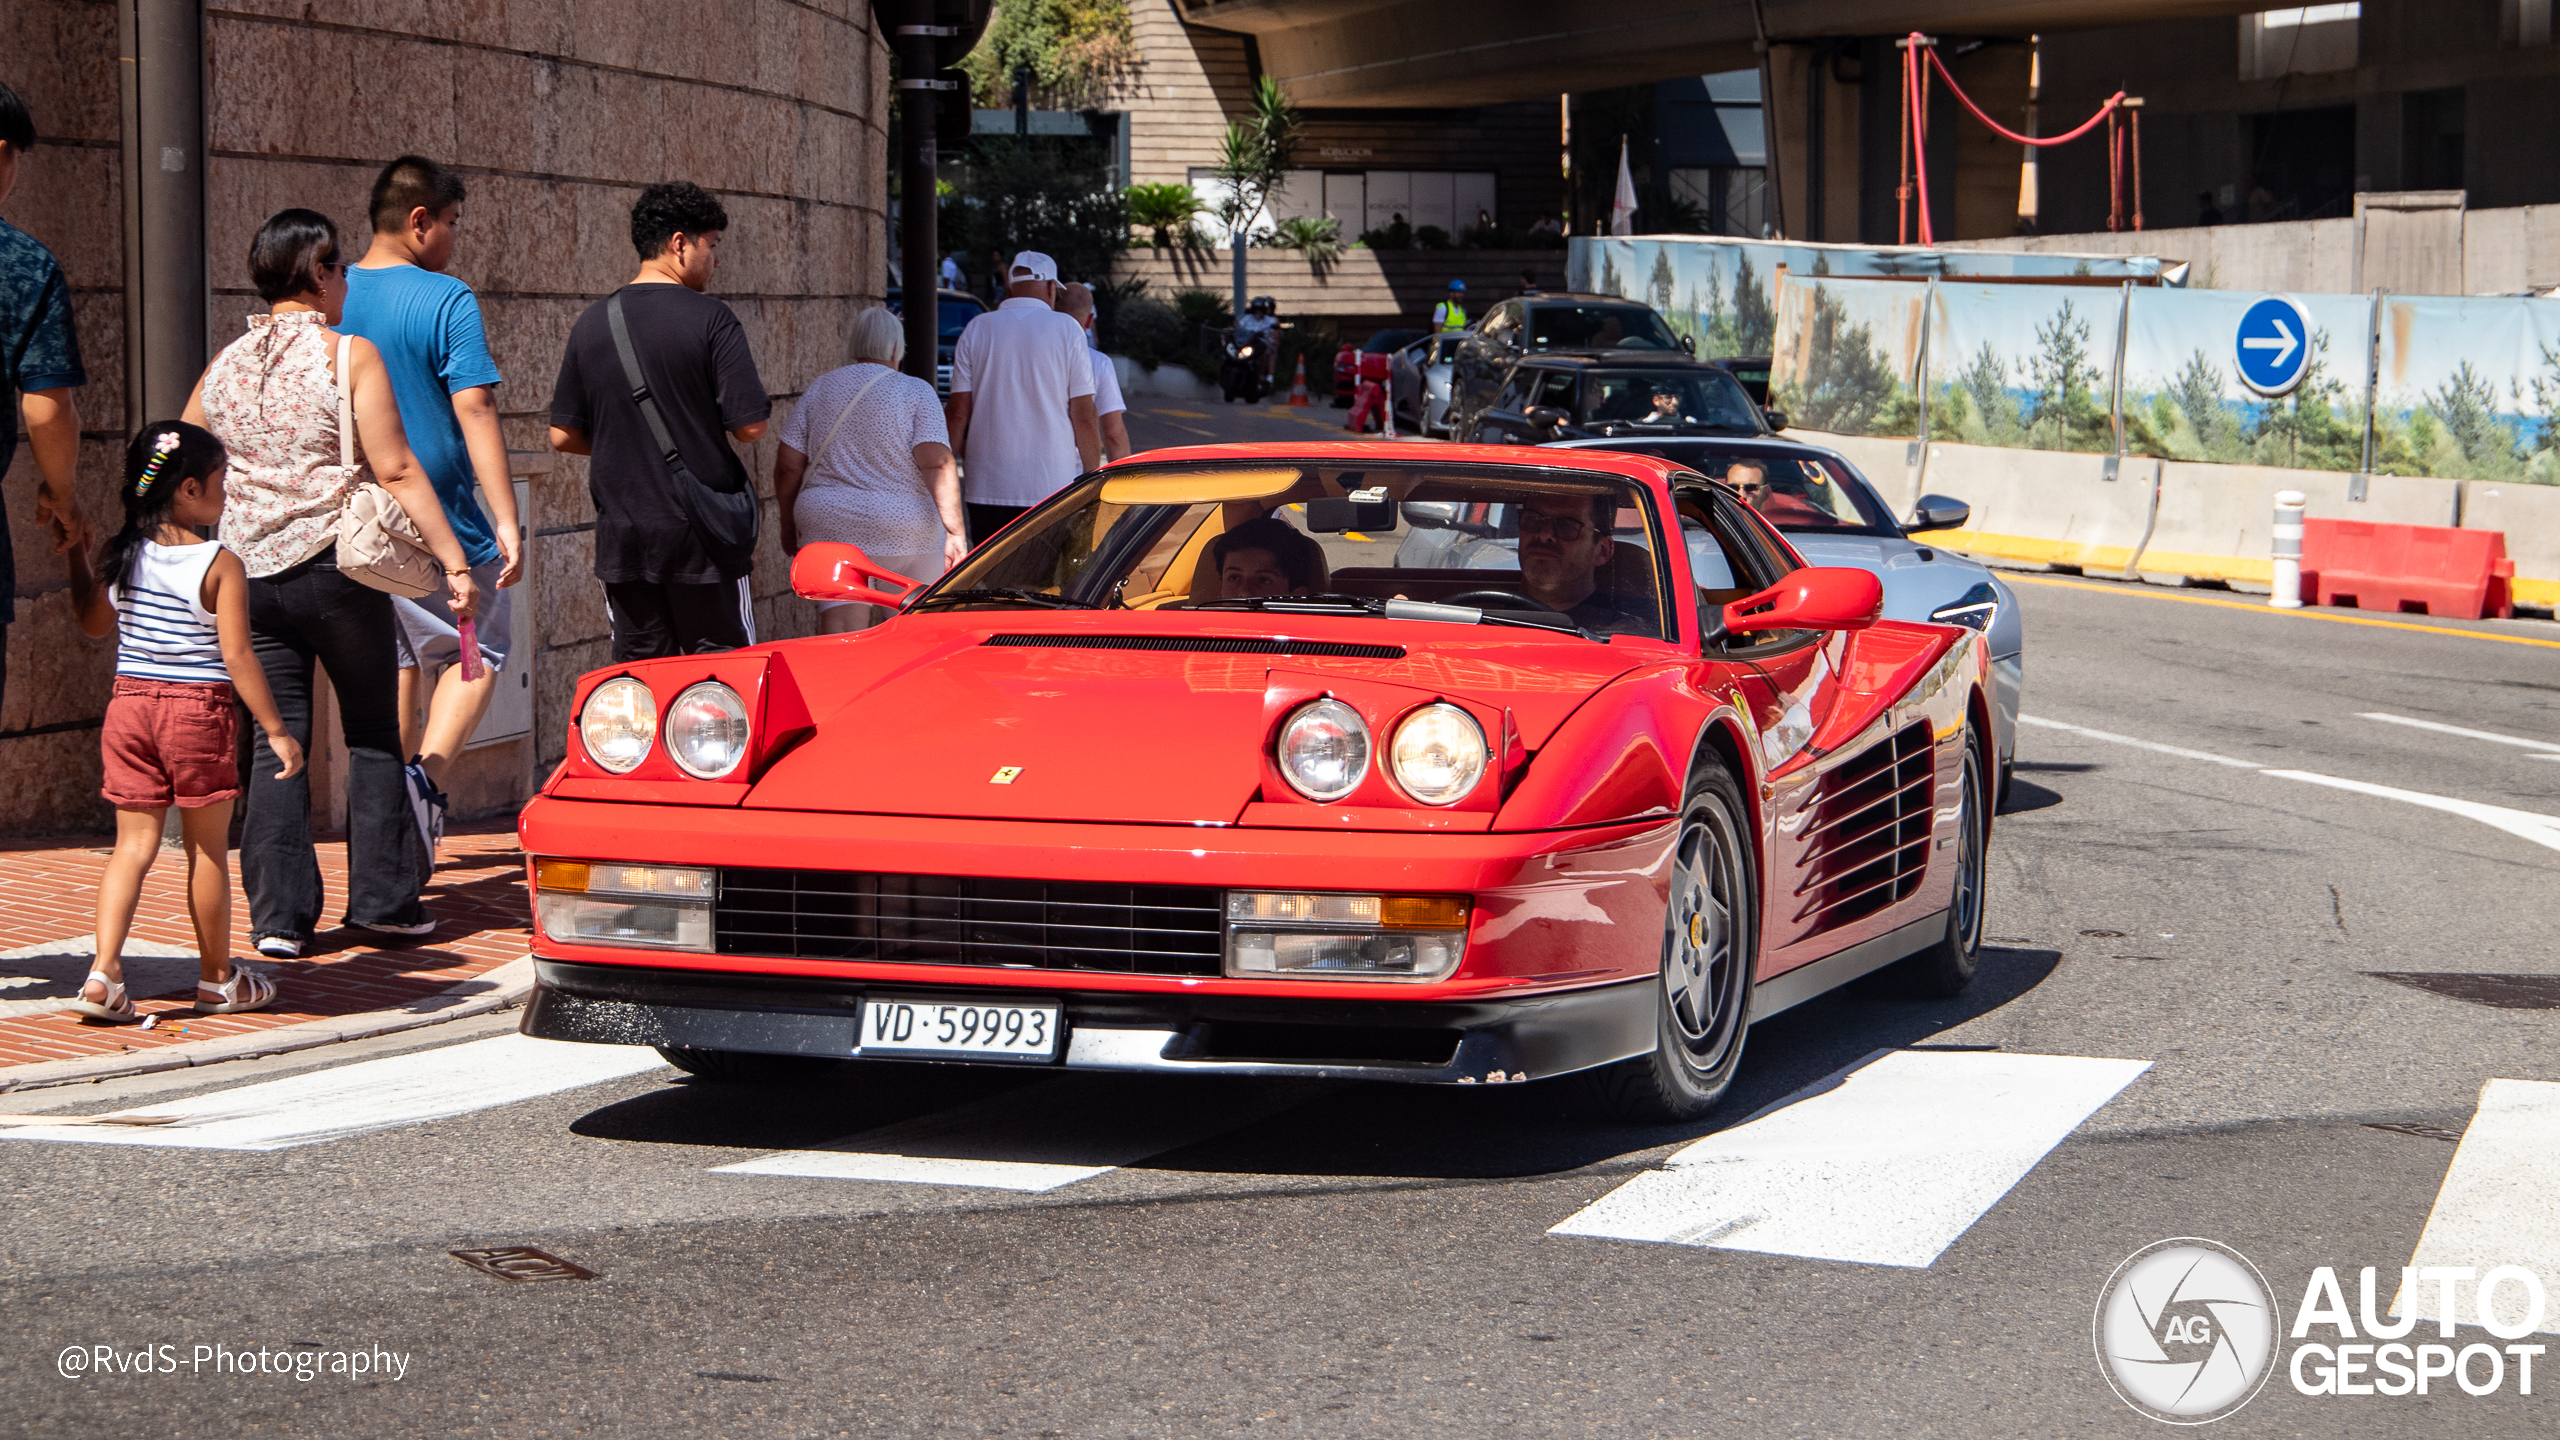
1458 285
1263 305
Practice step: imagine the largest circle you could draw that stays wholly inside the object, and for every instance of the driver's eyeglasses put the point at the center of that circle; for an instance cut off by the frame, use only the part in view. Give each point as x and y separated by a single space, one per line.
1566 528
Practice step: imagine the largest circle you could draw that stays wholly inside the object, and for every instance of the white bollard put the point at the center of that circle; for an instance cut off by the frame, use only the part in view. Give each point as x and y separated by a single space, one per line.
2288 550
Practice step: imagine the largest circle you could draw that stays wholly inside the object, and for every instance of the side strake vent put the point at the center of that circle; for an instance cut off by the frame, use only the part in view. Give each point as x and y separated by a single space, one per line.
1200 645
1869 839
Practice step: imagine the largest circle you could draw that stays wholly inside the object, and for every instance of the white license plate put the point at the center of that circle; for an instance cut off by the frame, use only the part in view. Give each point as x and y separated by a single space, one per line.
978 1030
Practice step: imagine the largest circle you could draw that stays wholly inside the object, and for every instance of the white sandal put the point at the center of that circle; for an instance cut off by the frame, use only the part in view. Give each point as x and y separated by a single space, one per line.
245 990
116 1009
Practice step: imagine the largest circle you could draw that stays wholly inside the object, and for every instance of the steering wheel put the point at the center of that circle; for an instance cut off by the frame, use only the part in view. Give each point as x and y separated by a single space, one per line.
1517 601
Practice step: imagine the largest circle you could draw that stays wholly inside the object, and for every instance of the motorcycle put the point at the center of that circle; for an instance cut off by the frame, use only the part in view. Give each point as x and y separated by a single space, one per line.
1240 373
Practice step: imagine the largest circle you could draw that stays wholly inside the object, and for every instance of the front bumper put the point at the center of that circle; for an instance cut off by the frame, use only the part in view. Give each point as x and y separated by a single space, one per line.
1460 1042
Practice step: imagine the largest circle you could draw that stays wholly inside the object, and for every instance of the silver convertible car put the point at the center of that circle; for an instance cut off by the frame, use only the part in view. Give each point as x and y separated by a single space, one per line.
1832 516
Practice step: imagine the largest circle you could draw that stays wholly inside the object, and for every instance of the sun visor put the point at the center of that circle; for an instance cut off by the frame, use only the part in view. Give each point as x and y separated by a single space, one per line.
1194 487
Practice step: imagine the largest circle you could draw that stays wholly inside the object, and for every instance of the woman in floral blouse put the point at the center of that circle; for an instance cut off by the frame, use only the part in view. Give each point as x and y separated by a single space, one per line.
272 398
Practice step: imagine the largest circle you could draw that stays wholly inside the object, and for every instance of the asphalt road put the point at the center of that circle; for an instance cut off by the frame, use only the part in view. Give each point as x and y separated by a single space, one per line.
1354 1260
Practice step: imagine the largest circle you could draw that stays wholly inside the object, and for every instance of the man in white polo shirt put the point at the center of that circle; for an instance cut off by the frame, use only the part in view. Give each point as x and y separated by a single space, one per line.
1021 417
1077 301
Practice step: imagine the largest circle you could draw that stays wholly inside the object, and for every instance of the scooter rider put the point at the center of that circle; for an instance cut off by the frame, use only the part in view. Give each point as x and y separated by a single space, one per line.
1259 327
1450 315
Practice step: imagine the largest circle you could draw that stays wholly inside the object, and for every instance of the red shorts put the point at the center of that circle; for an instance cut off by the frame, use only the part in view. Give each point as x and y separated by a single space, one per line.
168 743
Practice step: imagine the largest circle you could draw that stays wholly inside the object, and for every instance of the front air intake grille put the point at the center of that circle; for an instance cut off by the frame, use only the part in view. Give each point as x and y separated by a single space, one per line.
1869 839
1200 645
959 920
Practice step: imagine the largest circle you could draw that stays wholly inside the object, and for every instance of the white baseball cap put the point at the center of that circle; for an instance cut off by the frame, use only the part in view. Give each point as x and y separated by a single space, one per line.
1032 265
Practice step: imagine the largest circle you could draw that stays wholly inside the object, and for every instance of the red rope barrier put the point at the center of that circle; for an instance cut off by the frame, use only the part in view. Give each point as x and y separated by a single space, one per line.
1920 133
2004 131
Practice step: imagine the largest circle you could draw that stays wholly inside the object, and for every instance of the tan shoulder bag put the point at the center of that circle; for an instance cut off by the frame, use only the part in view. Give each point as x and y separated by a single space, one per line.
378 544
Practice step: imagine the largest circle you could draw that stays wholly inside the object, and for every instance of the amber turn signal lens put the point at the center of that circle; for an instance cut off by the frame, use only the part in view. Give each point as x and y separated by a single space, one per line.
1422 912
560 875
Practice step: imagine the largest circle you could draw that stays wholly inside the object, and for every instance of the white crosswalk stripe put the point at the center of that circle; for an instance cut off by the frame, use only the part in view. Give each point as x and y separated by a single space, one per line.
369 1095
1885 1165
1040 1137
2500 1205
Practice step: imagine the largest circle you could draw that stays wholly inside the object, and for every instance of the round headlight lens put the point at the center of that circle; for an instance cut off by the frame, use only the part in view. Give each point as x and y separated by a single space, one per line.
707 730
1324 750
1439 754
618 723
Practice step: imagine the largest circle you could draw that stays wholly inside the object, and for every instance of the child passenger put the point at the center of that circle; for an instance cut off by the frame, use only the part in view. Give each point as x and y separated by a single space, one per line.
179 605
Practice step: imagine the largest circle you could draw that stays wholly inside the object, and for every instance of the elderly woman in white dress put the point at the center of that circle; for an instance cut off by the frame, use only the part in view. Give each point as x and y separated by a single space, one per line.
865 460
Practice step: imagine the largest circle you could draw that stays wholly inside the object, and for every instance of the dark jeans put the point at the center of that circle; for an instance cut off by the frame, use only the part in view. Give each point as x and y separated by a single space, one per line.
986 520
653 621
297 616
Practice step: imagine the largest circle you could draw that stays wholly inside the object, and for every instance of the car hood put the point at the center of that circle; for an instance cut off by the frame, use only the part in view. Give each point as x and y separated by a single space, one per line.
927 714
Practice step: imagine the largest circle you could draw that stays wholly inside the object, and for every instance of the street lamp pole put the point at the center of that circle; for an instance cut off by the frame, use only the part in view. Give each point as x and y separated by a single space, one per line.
918 232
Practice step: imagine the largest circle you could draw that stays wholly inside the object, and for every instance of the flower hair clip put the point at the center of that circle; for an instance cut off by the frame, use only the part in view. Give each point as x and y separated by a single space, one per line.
163 445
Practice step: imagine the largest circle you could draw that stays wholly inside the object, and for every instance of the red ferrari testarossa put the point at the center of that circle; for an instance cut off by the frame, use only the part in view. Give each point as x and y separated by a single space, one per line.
1211 764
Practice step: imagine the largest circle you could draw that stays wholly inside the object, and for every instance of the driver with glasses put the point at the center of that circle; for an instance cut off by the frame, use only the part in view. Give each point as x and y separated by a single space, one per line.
1564 540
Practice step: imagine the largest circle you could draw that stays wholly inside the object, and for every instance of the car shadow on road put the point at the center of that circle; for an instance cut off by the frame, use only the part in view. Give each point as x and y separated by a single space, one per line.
1343 1130
1431 1132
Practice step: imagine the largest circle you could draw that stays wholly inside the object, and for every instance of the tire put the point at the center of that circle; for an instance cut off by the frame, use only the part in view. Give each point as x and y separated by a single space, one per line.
1710 942
747 1067
1947 967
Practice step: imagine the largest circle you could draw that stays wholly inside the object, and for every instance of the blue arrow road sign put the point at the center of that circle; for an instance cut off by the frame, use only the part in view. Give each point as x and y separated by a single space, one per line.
2272 346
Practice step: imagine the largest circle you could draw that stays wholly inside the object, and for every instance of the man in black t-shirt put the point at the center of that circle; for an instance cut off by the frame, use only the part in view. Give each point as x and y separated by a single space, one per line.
666 592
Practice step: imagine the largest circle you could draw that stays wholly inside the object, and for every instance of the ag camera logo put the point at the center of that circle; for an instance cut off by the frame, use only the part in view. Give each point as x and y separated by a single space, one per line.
2186 1331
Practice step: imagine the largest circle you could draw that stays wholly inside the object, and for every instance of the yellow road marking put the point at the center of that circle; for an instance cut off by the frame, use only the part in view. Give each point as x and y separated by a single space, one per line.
2306 613
1355 535
1185 414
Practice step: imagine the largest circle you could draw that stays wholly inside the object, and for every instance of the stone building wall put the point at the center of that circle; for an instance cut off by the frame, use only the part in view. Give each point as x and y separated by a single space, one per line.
555 112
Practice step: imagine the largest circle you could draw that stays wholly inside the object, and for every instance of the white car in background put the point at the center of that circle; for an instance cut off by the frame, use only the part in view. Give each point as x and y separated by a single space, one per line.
1418 384
1832 516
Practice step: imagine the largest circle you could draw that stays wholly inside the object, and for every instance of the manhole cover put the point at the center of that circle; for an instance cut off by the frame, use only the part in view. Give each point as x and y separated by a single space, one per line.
2411 1127
522 1262
2504 992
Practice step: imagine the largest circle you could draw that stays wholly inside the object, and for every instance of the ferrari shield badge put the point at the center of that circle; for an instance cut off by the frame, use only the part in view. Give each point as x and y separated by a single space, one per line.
1004 775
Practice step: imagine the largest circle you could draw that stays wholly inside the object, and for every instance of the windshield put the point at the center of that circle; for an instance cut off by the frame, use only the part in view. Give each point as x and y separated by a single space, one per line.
1552 548
1700 397
1800 493
1597 327
1386 340
956 315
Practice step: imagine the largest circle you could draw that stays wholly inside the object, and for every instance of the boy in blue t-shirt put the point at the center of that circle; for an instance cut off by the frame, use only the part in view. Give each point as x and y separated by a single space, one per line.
39 368
427 326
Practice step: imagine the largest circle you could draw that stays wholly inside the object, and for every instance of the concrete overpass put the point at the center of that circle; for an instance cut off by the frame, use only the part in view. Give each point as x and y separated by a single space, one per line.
1402 53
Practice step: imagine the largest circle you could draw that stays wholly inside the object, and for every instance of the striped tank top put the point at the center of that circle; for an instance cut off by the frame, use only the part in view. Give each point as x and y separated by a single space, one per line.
163 631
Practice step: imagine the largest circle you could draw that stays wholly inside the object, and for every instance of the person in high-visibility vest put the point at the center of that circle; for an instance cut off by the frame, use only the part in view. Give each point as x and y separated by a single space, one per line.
1451 314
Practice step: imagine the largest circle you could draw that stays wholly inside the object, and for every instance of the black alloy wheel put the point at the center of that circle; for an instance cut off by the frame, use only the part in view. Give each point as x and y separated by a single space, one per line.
1710 945
1947 967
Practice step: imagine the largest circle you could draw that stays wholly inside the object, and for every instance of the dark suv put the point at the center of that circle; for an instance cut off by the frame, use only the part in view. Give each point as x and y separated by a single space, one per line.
1543 324
1569 397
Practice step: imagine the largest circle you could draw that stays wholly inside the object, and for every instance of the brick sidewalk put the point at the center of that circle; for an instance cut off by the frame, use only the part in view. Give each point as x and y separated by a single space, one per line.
49 892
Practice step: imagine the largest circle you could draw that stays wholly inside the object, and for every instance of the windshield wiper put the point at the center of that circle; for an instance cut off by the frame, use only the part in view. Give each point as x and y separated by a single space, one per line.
1005 592
1399 610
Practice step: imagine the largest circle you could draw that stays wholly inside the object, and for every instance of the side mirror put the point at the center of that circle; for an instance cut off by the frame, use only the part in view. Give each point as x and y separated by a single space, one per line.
1815 598
1689 343
1777 418
1937 512
1333 516
1546 417
828 571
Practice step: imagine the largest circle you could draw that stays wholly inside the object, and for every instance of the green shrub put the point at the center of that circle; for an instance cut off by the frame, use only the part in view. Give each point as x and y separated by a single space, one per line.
1149 331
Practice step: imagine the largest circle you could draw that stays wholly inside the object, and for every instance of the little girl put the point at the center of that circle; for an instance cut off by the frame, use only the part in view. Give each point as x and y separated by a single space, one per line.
179 605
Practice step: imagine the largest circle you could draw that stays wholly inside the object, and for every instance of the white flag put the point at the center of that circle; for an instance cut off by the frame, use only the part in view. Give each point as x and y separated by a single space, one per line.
1622 213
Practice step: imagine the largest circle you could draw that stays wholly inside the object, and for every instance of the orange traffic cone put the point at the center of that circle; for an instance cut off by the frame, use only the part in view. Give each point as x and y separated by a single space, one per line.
1298 386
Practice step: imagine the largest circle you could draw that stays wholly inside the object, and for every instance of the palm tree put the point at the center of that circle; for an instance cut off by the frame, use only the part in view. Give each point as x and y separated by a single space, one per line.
1168 210
1251 163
